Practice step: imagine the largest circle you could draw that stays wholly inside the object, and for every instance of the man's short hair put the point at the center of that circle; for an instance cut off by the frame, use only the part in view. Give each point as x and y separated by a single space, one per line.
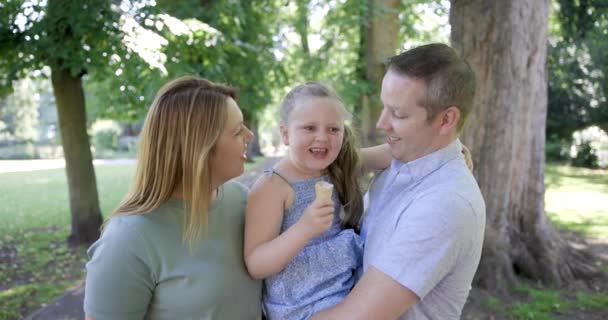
449 79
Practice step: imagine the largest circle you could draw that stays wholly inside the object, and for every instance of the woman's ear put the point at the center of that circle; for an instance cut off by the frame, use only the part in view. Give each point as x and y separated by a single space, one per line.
449 120
284 133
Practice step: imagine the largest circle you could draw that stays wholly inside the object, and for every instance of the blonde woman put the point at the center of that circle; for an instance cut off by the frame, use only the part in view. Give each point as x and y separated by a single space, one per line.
173 248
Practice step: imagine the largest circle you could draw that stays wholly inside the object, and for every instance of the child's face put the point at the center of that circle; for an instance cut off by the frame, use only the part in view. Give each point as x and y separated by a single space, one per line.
314 133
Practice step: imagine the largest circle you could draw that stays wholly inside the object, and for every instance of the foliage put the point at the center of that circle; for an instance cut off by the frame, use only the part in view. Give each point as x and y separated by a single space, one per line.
578 67
105 134
65 35
585 157
556 149
579 18
19 113
225 42
424 21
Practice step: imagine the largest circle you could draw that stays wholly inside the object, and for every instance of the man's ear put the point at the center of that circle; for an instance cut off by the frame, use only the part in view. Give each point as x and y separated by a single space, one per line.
449 119
284 133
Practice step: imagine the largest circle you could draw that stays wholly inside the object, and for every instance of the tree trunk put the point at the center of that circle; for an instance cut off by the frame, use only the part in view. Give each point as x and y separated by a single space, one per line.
84 204
381 43
253 148
506 44
302 25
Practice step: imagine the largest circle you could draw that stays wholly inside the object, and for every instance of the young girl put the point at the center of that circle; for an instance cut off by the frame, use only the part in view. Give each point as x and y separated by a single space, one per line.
307 249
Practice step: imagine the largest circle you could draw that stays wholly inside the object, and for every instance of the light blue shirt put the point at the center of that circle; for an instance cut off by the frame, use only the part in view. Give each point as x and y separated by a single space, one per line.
424 228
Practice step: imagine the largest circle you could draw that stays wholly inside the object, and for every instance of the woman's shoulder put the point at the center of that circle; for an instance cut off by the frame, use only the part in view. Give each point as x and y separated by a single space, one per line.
129 225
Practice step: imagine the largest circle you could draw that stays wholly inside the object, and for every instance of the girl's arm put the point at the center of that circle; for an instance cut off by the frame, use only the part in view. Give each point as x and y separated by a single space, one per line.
376 157
379 157
266 252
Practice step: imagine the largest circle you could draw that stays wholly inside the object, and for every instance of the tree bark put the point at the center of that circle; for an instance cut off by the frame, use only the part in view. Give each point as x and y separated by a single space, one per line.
302 25
82 186
381 44
506 44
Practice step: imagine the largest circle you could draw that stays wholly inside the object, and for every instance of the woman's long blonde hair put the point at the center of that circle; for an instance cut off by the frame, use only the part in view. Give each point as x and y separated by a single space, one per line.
180 132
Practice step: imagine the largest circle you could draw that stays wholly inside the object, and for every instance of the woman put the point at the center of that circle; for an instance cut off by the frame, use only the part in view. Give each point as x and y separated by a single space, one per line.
173 247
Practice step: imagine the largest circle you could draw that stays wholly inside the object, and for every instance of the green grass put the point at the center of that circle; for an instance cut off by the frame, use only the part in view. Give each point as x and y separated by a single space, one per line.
36 222
39 199
28 297
540 304
576 199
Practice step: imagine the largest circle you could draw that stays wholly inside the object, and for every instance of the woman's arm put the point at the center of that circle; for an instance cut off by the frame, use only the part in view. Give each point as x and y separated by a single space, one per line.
266 251
376 157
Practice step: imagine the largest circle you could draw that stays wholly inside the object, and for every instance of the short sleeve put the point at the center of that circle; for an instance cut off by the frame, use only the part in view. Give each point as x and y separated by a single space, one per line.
119 284
425 244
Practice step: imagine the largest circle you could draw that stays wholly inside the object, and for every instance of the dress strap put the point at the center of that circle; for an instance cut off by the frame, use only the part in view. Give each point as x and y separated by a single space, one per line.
272 171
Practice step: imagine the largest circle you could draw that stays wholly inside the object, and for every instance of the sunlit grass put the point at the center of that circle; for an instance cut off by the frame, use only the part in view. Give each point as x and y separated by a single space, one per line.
38 199
576 199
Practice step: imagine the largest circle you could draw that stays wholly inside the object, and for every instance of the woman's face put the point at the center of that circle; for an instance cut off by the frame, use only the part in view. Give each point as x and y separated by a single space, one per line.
228 159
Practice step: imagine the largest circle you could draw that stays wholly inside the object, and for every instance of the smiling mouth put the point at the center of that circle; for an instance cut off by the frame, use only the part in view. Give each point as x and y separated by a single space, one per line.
392 140
318 152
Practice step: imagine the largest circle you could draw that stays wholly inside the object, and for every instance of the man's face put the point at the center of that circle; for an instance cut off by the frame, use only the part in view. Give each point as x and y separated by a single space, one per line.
408 133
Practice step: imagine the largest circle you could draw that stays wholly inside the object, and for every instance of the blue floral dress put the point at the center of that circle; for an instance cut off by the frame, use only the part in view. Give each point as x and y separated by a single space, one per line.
323 273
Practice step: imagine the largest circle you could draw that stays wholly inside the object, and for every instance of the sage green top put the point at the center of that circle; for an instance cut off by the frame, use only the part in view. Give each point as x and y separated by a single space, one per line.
140 268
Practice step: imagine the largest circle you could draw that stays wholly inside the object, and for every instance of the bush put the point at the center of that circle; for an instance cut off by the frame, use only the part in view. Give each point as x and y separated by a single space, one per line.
585 156
105 134
556 149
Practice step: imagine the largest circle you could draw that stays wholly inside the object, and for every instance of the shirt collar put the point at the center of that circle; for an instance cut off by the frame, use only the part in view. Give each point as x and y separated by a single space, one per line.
421 167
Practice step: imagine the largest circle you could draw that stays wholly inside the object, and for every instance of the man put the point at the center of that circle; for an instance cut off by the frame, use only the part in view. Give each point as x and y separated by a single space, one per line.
425 220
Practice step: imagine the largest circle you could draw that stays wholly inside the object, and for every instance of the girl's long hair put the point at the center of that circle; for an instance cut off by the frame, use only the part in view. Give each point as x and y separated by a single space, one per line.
345 170
344 174
179 134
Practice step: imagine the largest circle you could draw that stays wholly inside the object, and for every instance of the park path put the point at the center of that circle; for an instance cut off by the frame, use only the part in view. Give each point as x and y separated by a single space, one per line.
69 306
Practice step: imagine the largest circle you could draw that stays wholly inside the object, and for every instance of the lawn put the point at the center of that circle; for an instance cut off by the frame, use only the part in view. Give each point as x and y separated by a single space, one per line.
577 199
36 265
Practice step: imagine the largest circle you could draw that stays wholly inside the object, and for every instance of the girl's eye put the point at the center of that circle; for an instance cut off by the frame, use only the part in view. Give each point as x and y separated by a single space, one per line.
309 128
335 130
